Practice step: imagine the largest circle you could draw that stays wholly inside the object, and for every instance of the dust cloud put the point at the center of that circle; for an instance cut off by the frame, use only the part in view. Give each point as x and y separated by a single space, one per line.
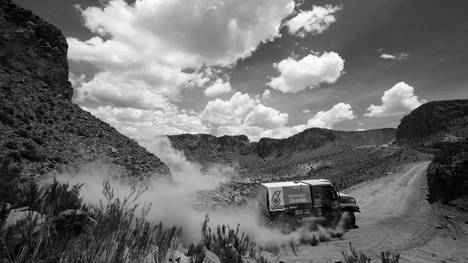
172 203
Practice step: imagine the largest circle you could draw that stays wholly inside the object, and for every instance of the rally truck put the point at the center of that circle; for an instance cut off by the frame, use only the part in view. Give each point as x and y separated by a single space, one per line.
316 198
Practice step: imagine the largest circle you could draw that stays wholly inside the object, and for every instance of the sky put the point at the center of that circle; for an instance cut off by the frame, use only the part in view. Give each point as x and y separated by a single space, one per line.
264 68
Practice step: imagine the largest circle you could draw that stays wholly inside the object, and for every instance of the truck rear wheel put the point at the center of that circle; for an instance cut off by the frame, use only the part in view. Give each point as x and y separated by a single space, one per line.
288 222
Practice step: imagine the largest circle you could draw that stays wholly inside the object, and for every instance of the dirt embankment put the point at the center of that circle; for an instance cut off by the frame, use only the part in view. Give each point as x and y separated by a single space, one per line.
396 216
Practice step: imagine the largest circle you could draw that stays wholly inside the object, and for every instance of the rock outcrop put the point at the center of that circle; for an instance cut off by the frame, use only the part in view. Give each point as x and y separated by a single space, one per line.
443 127
434 123
206 148
346 157
41 130
447 175
315 138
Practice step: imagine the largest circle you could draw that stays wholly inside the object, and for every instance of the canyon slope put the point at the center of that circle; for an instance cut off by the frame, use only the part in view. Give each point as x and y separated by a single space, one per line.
41 129
441 126
346 157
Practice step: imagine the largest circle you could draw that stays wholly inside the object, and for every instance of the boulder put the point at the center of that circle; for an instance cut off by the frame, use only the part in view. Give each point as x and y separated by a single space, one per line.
73 221
22 217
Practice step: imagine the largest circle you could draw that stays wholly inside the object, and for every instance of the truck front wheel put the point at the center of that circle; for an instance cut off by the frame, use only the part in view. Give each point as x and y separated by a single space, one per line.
349 220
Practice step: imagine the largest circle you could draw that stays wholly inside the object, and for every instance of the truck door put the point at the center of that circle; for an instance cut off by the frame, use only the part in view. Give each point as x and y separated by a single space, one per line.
324 197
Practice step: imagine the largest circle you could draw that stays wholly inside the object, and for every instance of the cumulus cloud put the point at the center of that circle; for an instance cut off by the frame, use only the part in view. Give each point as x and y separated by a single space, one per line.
322 119
219 87
266 94
153 41
266 117
242 110
142 52
107 89
142 123
397 56
283 132
314 21
308 72
326 119
242 114
397 100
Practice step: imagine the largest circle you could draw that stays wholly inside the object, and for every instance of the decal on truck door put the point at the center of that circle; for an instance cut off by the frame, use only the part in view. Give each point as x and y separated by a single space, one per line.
276 198
281 197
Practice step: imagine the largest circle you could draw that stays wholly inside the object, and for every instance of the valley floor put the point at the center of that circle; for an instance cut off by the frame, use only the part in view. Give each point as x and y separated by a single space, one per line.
395 215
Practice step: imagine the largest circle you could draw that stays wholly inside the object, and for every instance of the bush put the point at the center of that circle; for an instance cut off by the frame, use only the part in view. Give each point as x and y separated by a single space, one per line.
11 145
359 257
23 133
38 139
28 145
119 235
227 243
9 173
14 155
33 155
6 119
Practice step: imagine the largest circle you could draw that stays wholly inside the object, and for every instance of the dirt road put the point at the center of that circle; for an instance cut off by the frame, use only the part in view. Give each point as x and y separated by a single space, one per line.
395 215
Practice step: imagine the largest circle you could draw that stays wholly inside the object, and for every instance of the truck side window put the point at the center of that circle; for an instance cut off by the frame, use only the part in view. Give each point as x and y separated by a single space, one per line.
330 192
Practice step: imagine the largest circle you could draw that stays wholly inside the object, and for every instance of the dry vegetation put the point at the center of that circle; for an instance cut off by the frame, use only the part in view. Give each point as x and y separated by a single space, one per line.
117 230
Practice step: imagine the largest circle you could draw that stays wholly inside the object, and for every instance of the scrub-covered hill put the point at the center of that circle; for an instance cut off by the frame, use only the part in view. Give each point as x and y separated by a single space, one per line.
41 130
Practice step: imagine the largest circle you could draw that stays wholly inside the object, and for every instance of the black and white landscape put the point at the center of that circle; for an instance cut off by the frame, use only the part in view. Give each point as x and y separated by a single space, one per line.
141 131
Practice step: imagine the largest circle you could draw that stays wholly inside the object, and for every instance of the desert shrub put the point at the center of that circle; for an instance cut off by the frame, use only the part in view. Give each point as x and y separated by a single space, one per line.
6 119
37 139
228 244
23 133
11 145
120 234
360 257
33 155
14 155
29 145
388 257
9 173
51 199
355 256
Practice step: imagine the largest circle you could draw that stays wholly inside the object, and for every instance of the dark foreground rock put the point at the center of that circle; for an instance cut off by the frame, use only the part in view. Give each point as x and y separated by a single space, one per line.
435 123
442 127
447 175
41 130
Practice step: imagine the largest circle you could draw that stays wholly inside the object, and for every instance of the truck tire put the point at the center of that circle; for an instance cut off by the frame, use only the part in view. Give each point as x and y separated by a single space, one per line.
288 222
349 220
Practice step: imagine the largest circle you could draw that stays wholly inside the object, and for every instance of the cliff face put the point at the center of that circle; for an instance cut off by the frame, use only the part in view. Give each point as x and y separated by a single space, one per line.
435 122
315 138
206 148
447 175
441 125
41 129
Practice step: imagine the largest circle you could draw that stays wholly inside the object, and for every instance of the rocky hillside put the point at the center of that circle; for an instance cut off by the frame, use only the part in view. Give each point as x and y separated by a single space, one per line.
447 175
315 138
434 123
41 130
238 151
346 157
441 125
